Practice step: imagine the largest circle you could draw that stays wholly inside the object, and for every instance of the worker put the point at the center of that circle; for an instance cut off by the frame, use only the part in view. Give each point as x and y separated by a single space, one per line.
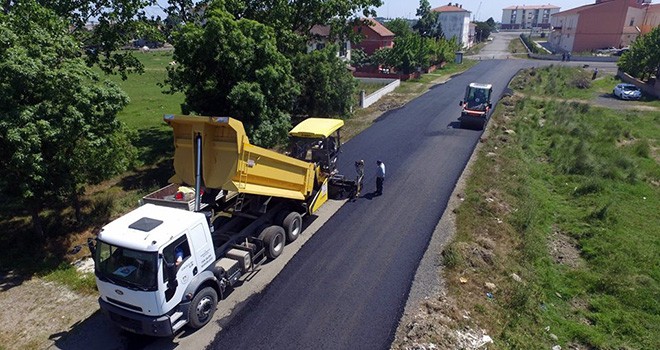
479 96
178 255
380 177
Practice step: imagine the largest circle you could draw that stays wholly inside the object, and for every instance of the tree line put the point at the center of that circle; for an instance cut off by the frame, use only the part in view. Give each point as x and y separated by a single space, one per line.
243 58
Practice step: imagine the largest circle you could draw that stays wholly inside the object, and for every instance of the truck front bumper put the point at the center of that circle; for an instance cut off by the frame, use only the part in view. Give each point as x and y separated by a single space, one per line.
157 326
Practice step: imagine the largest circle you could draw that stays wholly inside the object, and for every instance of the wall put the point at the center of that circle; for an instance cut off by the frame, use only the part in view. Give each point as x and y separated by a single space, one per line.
602 26
564 37
648 89
372 41
400 76
574 58
455 24
651 18
366 101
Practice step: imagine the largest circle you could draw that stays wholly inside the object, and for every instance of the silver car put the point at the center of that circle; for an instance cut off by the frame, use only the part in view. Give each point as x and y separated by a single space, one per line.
627 92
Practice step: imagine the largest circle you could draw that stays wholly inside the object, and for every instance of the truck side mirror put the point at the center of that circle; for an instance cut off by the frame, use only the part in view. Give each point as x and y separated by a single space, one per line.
91 246
490 106
460 103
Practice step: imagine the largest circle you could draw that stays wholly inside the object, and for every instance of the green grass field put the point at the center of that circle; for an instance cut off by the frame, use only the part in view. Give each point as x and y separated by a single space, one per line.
567 197
569 83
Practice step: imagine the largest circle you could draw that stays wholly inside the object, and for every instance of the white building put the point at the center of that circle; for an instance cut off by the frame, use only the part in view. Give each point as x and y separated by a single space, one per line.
321 38
455 23
527 17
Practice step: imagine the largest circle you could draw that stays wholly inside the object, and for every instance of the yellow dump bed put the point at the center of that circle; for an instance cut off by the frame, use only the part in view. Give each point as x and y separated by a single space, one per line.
230 162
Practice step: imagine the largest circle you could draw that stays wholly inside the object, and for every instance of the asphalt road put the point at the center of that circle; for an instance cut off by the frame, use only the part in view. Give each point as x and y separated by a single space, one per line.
347 286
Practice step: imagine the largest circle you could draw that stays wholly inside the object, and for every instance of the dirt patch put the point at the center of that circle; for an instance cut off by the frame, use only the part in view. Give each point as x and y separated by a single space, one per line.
36 312
564 250
434 326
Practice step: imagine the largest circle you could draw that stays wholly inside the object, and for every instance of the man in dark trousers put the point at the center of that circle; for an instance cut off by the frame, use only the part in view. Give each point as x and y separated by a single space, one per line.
380 177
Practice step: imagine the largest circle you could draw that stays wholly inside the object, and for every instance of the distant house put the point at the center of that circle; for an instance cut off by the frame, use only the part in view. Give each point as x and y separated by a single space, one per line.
526 17
455 23
375 36
321 38
605 23
651 18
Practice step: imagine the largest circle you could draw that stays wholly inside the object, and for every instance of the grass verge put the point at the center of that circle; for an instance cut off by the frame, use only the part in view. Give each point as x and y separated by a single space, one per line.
559 226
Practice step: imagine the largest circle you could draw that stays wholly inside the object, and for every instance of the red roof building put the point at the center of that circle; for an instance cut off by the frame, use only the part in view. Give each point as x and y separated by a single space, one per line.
375 36
605 23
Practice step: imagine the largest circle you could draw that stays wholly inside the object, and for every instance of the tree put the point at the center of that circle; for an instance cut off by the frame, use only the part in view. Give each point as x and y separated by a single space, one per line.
232 67
491 23
58 126
117 22
399 26
328 87
427 25
482 31
643 58
293 19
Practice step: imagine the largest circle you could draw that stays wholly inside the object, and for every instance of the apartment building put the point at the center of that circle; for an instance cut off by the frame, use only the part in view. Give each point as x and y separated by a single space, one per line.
528 16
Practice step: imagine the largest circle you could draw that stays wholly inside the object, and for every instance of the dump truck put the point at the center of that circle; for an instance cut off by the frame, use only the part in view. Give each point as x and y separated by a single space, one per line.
166 264
476 105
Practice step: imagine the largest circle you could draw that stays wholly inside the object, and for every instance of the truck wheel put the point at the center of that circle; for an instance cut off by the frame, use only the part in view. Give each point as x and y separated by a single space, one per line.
293 226
273 238
202 307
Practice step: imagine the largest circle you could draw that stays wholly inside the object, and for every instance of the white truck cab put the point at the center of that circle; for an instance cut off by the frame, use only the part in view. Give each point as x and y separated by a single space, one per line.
142 286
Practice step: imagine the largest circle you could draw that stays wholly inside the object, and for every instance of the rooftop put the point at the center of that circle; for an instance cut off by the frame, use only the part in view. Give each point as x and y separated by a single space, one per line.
378 28
450 8
531 7
148 227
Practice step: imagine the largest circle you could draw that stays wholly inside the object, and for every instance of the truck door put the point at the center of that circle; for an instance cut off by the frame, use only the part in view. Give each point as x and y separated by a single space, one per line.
180 254
200 240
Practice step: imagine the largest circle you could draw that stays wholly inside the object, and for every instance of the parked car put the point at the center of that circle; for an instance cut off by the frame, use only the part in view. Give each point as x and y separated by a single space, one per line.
607 51
627 92
620 52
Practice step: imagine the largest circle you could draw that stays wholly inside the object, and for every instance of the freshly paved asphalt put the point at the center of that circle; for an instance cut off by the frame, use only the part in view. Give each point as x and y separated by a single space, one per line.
347 286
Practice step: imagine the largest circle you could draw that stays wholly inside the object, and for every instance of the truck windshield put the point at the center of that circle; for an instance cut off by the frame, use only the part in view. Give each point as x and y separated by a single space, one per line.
129 268
477 95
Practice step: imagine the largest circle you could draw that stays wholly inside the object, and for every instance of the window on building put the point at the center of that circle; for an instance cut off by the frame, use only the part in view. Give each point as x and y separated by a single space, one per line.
343 50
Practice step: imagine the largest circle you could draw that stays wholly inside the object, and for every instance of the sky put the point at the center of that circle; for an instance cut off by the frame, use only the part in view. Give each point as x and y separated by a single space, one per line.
481 9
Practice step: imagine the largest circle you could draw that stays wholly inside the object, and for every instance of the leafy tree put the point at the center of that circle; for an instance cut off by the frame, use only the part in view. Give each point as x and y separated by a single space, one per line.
232 67
293 19
491 23
117 23
427 25
359 58
643 58
399 26
58 126
328 87
482 31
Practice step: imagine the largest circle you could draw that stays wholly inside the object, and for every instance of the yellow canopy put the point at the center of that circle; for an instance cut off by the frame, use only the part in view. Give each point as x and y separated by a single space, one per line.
316 127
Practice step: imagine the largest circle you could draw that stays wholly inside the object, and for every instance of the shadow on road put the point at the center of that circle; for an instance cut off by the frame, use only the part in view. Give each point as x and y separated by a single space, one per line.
96 332
454 125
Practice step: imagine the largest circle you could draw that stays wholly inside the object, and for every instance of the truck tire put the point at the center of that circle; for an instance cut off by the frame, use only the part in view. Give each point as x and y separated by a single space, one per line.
202 308
292 225
274 239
